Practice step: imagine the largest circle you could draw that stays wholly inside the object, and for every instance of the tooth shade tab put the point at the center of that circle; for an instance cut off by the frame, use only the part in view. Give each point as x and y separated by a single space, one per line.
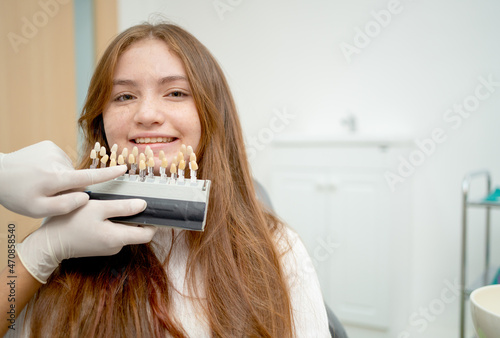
189 150
180 156
164 163
142 165
103 151
173 168
131 159
112 163
104 159
194 166
161 155
97 147
93 154
120 160
114 148
135 151
183 148
192 157
182 165
113 155
142 157
151 162
125 152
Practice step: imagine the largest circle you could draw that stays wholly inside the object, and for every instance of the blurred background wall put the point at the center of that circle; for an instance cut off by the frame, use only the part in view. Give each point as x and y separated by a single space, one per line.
37 85
48 52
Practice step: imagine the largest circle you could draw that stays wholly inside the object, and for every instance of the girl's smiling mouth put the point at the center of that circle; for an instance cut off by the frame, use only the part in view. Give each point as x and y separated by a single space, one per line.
141 140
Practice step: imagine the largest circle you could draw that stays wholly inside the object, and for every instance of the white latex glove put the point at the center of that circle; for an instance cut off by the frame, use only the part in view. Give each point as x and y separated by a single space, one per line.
36 181
82 233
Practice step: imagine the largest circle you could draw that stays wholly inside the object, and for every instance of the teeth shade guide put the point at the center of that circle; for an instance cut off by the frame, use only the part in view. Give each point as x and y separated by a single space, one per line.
172 200
143 163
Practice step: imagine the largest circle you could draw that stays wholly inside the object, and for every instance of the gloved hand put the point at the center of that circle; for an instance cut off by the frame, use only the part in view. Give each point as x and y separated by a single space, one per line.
36 181
81 233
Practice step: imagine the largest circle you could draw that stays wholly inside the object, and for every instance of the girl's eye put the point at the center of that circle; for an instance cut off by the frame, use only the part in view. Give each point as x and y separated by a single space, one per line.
124 97
177 93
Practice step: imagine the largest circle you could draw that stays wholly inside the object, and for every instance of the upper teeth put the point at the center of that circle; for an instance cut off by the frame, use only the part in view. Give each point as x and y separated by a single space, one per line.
154 139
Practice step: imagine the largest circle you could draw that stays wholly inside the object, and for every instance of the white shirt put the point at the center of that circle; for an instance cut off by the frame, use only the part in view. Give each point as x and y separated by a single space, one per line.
308 308
309 313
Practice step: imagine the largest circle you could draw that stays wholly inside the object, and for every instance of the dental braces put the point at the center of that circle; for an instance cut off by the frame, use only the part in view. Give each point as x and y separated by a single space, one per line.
172 201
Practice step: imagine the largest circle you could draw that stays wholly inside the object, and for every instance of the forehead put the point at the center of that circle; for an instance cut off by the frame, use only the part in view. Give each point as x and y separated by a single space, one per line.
148 57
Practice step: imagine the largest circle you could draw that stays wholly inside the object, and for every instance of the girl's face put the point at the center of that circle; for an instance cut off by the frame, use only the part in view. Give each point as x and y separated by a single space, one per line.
151 103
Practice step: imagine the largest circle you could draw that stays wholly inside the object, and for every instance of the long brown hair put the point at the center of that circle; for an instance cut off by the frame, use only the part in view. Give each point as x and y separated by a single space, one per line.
244 287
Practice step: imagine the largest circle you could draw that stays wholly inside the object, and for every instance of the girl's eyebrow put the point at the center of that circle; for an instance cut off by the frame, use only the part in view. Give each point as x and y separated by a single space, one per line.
172 78
161 81
123 82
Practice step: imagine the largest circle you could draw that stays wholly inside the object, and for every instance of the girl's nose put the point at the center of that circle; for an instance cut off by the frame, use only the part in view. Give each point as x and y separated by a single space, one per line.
149 113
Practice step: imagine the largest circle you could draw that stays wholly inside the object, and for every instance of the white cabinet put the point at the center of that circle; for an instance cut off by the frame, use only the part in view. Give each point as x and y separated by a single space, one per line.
337 199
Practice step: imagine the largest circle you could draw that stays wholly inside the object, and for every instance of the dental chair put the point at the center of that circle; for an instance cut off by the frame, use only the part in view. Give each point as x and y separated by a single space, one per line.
334 325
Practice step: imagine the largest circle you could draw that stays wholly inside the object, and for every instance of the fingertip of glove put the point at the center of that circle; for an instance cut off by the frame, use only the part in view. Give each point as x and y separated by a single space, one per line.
118 168
79 200
150 231
139 205
83 197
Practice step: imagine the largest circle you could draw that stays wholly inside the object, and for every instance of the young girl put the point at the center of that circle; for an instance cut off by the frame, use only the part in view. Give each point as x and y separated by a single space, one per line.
246 275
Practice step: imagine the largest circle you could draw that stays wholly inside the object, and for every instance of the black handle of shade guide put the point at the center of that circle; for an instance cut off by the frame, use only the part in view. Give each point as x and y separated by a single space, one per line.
186 215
